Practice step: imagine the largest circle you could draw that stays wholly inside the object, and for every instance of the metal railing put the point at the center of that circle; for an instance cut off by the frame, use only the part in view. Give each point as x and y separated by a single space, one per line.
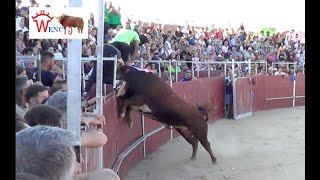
293 97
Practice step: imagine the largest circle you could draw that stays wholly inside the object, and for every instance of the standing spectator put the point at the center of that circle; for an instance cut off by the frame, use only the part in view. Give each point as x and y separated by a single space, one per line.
229 95
118 18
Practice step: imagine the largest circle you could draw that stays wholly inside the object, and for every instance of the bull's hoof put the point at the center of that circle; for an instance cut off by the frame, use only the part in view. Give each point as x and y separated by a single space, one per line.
214 160
130 124
193 158
122 115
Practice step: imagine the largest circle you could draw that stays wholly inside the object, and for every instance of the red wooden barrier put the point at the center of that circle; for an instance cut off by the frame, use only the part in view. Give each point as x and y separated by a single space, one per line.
279 86
300 89
259 93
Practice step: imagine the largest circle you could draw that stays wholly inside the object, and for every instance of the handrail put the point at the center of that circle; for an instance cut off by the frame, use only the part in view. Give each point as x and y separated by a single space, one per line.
120 158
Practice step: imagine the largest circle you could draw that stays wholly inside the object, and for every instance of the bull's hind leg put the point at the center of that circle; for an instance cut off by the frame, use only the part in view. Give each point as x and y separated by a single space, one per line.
202 137
191 139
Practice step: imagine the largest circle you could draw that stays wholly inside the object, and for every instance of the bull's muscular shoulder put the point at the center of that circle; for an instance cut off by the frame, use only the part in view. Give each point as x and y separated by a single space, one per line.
147 83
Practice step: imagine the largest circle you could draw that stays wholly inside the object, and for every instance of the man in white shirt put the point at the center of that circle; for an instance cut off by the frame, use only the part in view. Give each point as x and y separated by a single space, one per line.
279 72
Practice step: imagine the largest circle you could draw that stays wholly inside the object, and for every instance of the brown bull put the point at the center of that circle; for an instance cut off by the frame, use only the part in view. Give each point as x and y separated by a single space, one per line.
154 98
71 21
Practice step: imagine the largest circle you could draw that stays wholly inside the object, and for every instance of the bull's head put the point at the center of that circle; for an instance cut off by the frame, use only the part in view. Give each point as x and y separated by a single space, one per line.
121 84
61 17
122 71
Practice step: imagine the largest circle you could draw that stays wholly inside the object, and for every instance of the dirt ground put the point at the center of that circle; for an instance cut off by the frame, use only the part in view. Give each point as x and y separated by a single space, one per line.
270 145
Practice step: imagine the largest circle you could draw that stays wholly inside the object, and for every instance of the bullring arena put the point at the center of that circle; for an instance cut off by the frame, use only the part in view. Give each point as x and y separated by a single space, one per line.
268 145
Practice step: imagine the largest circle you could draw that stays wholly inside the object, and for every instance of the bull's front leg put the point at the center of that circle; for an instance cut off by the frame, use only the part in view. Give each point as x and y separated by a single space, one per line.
124 103
125 108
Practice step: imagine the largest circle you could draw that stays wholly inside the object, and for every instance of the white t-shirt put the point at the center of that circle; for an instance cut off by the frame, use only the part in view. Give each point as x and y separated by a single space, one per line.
279 73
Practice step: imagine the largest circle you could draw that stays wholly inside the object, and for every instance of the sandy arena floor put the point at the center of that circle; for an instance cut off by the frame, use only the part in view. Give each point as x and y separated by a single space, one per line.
270 145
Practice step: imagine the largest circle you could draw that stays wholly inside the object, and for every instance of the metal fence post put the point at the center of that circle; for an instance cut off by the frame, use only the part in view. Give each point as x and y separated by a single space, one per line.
99 97
74 83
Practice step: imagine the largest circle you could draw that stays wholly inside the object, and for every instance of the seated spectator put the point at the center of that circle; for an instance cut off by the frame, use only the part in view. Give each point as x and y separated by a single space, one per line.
57 86
187 76
90 138
280 72
36 94
47 77
43 115
20 45
36 47
20 24
249 54
183 66
173 67
20 71
220 58
20 123
47 152
262 71
28 51
31 69
49 47
22 84
272 56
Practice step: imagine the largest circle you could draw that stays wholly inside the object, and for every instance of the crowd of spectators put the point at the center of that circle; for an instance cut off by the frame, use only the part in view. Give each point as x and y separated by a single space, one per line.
41 90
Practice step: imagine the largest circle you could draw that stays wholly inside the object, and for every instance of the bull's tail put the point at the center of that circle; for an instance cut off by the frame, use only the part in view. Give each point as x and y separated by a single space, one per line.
204 111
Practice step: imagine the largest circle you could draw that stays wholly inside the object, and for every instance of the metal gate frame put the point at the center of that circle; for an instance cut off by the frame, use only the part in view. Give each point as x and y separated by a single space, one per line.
247 114
234 90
